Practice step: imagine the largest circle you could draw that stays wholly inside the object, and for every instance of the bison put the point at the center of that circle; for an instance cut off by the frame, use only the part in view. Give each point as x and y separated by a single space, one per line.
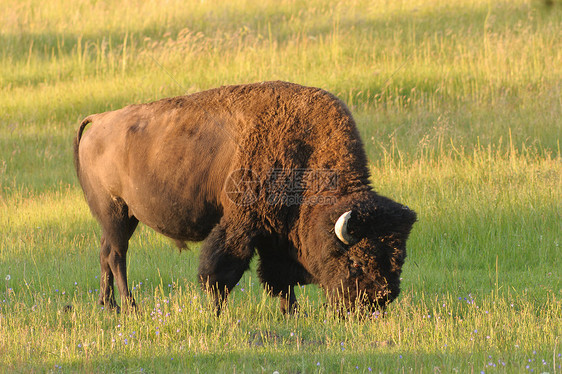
274 168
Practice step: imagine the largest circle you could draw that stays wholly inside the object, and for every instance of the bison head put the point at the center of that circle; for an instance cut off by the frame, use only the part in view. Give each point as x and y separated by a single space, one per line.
363 247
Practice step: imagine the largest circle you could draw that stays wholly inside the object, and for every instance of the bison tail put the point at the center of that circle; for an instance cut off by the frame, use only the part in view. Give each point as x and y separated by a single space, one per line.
83 125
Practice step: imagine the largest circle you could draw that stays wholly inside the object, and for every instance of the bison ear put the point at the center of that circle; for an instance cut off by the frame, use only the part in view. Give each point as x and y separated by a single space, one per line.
341 230
408 219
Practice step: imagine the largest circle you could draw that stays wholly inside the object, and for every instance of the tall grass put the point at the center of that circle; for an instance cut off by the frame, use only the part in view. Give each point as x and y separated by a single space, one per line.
458 104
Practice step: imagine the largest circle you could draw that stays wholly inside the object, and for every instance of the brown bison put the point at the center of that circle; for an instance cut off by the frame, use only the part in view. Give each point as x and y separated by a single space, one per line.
274 168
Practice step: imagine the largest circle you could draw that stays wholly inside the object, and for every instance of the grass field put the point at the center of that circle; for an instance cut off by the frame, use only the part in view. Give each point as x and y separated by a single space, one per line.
460 108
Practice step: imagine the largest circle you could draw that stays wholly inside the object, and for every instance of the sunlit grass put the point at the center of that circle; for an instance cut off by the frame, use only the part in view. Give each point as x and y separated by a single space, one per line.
175 329
470 288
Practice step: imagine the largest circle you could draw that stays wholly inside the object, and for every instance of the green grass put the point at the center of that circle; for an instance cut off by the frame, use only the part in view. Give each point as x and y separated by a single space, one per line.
459 105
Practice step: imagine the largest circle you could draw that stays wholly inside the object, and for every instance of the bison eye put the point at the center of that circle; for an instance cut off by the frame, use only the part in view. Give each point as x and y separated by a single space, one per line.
355 267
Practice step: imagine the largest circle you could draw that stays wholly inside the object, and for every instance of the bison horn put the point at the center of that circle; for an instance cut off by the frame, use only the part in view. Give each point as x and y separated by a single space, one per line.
341 228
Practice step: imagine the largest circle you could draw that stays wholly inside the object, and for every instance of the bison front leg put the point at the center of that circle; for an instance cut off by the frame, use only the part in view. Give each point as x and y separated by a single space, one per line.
288 301
278 277
224 258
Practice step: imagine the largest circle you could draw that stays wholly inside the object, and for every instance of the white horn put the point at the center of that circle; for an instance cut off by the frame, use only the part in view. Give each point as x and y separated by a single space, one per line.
341 228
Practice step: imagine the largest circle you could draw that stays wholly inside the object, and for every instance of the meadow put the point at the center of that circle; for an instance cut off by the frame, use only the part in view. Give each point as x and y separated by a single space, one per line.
459 105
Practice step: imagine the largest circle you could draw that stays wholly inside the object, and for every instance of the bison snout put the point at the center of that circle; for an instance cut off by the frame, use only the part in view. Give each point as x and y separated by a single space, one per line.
371 300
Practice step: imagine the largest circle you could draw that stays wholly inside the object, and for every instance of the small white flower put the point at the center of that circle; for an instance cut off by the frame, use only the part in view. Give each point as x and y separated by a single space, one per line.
8 277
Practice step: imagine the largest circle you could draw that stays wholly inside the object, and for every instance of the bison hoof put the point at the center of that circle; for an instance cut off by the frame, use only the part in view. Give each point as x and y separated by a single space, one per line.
115 309
109 305
293 310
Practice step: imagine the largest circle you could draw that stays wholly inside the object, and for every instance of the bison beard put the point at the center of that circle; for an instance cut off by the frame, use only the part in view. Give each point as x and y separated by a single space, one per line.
269 168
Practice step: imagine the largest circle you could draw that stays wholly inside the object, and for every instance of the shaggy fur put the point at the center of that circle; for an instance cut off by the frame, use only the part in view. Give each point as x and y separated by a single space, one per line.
243 167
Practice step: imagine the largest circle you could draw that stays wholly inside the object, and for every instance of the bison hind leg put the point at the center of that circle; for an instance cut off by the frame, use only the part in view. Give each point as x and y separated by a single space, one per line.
107 292
117 227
